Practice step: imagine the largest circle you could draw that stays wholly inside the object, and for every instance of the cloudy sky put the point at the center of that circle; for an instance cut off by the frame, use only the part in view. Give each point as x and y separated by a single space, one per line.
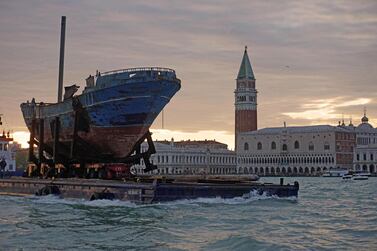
313 60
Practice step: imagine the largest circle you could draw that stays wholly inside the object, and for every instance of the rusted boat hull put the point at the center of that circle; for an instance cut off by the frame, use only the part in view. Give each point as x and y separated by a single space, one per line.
112 115
139 192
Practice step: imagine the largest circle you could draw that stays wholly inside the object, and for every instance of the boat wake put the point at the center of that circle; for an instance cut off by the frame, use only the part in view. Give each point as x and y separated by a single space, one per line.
52 199
251 197
245 199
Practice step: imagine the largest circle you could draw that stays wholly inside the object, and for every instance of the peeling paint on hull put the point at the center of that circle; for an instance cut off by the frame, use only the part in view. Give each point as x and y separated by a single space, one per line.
116 113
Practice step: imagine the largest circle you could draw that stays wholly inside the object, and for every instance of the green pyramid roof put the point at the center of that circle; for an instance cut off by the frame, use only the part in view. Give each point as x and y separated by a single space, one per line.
245 69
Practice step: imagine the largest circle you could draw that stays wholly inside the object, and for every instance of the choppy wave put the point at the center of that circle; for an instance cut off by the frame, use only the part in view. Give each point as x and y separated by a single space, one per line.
52 199
247 198
328 215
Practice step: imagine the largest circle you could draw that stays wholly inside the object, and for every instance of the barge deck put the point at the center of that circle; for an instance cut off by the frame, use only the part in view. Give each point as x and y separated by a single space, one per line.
142 191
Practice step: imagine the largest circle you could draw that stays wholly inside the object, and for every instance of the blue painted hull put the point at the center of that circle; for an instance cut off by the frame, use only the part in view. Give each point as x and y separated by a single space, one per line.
119 110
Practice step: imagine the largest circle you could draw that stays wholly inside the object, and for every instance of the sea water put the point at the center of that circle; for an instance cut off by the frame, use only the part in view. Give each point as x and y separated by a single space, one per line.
329 214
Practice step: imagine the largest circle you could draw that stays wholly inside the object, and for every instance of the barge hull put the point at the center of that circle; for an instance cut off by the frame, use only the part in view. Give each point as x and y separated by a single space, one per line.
139 192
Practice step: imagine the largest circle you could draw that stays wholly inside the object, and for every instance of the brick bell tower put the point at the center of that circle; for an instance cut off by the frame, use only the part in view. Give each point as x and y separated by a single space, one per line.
245 99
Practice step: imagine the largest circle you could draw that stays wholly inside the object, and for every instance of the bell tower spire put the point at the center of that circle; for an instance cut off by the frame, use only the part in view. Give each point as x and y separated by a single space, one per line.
246 71
245 98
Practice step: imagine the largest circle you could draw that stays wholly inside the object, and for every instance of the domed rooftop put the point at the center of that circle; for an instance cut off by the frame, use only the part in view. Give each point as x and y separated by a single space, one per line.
364 119
365 125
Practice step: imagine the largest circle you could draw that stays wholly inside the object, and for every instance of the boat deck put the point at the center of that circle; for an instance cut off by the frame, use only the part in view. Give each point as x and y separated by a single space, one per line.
141 191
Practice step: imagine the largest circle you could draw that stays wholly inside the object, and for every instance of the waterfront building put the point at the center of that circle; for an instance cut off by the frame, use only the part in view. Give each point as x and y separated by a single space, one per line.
365 159
365 153
190 157
301 146
299 150
7 152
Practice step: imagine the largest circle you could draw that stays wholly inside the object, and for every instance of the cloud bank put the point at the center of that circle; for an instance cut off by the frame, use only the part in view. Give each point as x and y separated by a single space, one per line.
300 51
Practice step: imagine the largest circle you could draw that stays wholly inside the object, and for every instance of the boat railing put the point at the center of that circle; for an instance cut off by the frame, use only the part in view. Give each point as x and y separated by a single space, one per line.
138 69
34 109
39 104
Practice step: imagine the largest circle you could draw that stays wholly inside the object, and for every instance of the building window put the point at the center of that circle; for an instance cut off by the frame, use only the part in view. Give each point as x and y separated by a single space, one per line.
297 145
273 145
1 147
365 156
311 146
371 156
246 146
259 146
358 156
285 147
327 146
5 147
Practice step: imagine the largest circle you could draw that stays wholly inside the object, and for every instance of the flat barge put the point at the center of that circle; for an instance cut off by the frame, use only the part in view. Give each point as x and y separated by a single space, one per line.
143 191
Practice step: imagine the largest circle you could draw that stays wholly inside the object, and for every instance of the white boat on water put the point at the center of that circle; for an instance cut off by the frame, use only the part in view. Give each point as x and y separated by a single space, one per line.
347 177
335 173
359 177
356 175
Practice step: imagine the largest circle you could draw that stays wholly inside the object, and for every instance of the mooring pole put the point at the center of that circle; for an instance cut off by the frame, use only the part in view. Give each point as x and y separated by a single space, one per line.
74 136
56 140
151 150
41 144
31 141
61 60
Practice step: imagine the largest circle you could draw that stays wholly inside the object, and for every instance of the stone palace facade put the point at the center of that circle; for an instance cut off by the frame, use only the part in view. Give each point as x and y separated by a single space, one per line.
298 150
190 157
